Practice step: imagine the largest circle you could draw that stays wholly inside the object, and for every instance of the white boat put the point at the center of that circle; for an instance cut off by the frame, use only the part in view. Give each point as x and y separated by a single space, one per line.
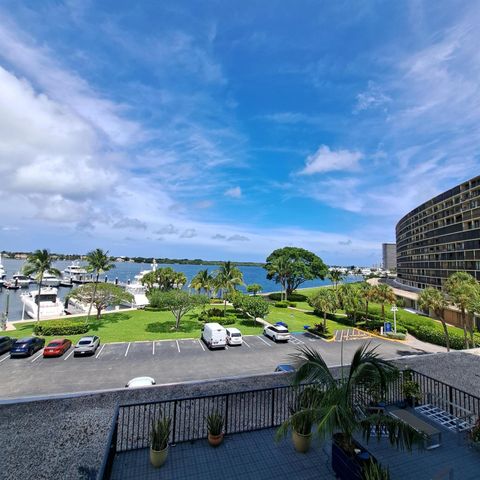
139 293
3 274
77 307
48 302
21 280
50 280
76 273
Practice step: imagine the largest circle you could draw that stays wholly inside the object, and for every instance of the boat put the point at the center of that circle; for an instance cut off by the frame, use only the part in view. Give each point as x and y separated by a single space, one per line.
48 302
139 276
21 280
139 293
50 280
76 273
3 274
10 285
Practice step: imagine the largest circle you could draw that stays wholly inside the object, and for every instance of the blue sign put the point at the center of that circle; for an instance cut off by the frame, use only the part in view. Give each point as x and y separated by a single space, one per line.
387 327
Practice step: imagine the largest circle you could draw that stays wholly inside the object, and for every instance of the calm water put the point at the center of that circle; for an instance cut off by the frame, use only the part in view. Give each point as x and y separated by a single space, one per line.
127 271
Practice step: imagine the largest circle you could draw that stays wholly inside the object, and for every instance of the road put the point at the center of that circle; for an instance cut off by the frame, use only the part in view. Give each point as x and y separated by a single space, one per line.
170 361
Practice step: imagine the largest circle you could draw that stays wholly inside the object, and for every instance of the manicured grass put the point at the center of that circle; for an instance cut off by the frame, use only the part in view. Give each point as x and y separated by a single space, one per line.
142 325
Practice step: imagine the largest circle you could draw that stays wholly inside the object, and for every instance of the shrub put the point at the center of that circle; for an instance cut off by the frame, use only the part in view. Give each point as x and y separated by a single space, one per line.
227 320
293 297
319 330
61 327
216 300
396 336
292 304
281 304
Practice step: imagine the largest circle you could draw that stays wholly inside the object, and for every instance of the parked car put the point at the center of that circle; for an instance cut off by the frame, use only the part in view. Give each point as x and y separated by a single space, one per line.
57 347
277 333
6 343
214 335
138 382
285 367
27 346
234 336
86 346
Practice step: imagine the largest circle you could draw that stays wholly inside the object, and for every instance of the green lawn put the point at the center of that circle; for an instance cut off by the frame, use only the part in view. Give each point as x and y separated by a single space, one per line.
142 325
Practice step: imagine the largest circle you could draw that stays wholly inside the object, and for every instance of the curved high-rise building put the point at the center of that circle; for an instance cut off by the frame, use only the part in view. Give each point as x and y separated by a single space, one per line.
440 237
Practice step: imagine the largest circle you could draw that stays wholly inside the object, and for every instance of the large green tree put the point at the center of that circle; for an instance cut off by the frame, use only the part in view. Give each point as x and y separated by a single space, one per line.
292 266
254 288
39 263
433 300
101 296
254 307
324 301
460 287
164 279
98 261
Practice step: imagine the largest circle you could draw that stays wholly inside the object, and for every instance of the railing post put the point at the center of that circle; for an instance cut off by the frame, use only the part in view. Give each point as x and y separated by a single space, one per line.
174 420
450 399
226 413
272 424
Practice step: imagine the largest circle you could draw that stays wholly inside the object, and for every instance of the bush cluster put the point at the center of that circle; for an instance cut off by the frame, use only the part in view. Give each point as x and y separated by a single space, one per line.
319 330
227 320
396 336
61 327
282 304
293 297
216 300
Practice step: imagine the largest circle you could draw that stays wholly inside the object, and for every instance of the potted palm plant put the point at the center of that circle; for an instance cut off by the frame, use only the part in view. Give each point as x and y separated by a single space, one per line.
411 391
215 429
301 419
339 412
159 435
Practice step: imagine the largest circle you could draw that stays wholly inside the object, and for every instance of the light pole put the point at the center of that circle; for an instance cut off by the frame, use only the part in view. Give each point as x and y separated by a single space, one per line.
394 309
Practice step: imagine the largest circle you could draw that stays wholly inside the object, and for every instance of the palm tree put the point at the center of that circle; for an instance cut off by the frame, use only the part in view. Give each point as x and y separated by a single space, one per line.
384 294
434 300
281 266
227 278
368 293
336 276
351 301
98 262
324 301
39 263
460 288
202 280
339 411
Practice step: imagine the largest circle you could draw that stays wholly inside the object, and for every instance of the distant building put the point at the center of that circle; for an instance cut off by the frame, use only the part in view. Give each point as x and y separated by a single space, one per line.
389 251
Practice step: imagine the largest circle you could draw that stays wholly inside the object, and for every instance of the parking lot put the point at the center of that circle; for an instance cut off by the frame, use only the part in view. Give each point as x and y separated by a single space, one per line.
169 361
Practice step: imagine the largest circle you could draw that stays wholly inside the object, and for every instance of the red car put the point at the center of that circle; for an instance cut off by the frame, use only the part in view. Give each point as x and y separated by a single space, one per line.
57 347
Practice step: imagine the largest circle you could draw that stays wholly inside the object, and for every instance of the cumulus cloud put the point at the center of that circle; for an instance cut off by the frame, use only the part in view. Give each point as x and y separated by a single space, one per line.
189 233
326 160
169 229
345 242
234 192
238 238
219 236
373 97
132 223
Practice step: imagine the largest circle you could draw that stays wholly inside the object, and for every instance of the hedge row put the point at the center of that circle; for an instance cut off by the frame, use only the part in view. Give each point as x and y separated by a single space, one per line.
61 327
228 320
293 297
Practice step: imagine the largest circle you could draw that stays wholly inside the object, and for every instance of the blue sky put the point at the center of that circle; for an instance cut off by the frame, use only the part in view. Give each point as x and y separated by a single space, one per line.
223 130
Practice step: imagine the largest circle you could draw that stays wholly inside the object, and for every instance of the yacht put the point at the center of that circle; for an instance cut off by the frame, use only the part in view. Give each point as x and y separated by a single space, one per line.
139 293
21 280
3 275
48 302
76 273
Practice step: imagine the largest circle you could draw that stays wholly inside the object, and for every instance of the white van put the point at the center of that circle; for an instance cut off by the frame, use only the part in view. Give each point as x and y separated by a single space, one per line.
214 335
234 336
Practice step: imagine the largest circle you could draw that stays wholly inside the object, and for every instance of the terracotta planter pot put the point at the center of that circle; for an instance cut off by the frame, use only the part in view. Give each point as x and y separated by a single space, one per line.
215 440
301 443
158 457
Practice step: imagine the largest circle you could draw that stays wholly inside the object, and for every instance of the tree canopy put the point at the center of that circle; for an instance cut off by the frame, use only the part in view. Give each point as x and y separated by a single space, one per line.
292 266
164 279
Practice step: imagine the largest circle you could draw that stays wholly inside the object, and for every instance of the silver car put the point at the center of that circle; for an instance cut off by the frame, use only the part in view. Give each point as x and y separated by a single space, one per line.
86 346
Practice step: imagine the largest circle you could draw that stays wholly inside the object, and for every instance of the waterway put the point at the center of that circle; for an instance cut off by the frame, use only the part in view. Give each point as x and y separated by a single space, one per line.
125 271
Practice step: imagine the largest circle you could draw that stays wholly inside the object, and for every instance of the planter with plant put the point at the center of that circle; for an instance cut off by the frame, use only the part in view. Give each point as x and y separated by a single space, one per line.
340 411
215 423
159 435
411 390
374 471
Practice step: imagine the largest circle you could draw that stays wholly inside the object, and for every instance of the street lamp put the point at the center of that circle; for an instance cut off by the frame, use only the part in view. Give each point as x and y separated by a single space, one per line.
394 309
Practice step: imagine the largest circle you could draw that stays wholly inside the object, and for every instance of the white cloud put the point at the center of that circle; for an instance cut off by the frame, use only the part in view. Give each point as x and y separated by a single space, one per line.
326 160
373 97
167 230
234 192
130 223
189 233
238 238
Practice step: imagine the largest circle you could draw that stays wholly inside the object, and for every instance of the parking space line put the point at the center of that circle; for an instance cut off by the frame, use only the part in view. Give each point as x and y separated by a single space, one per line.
38 356
246 343
153 348
200 342
178 346
226 347
65 358
3 359
128 348
264 341
101 350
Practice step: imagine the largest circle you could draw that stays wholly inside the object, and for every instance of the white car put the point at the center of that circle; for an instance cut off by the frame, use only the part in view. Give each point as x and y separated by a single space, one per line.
86 345
277 333
139 382
234 336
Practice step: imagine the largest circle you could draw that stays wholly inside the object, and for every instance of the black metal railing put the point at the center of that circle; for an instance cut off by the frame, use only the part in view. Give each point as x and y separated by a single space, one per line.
252 410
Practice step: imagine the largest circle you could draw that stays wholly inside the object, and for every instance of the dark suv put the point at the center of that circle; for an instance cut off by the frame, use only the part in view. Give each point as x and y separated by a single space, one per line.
6 344
27 346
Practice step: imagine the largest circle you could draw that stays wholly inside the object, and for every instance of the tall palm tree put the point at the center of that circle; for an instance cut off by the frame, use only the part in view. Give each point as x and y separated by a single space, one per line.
336 276
338 409
384 295
460 288
227 278
324 301
434 300
351 301
39 263
202 281
98 262
368 293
